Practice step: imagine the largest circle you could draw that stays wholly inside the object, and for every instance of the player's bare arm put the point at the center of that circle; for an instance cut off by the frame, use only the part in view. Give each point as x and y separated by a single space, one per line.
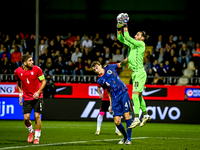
37 94
109 95
123 63
19 87
99 91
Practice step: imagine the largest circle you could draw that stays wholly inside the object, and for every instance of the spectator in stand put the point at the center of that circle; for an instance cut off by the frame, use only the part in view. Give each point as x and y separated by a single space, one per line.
118 57
32 43
51 48
57 41
159 43
79 67
70 39
6 66
4 53
96 56
166 68
107 42
56 55
190 43
66 56
87 43
69 68
1 48
7 42
161 73
179 42
156 66
184 56
161 56
46 40
107 55
147 65
100 59
16 57
75 55
18 42
196 56
97 42
170 41
41 64
59 66
172 55
175 67
78 39
86 55
157 79
150 76
49 67
42 46
62 46
149 56
115 45
45 55
88 68
73 46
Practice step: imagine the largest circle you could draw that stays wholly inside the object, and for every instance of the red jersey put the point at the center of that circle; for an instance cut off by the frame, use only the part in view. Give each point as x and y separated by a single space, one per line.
29 81
105 96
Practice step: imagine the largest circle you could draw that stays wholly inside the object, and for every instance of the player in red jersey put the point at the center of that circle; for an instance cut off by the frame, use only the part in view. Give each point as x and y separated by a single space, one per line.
30 81
105 104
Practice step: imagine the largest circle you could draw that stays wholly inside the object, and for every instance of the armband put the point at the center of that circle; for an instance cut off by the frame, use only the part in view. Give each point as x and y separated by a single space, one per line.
41 77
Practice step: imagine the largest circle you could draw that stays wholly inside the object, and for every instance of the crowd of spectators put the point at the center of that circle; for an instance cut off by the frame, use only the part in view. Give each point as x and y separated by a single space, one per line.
170 57
72 55
61 55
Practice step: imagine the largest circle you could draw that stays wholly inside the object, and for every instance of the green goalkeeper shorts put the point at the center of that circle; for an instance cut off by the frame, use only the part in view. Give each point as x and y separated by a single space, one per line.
139 79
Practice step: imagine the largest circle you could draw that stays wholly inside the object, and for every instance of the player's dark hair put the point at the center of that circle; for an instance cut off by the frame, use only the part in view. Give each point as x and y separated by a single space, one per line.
146 37
25 57
94 63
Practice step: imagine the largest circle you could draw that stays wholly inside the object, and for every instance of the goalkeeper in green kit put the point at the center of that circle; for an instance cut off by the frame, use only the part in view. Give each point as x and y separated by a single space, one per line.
135 61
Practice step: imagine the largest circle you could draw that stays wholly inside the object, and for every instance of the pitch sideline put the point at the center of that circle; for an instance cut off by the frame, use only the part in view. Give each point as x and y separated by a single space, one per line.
77 142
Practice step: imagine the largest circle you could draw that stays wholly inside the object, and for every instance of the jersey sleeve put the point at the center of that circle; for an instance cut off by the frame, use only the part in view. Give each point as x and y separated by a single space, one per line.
132 40
115 65
122 39
40 74
16 77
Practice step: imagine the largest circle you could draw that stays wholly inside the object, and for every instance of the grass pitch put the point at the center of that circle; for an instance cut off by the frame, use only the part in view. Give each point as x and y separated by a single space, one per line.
70 135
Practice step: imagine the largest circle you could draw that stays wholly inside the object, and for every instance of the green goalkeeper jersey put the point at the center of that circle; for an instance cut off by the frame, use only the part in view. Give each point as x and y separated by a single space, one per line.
135 52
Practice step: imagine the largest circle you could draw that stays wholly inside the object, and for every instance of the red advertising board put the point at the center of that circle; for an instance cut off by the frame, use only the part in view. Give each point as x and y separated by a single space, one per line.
88 91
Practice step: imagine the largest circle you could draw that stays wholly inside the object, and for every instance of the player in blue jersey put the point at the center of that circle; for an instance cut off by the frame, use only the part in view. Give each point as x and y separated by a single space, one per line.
118 95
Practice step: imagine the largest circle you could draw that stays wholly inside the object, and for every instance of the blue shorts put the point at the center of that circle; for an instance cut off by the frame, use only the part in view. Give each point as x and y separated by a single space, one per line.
121 104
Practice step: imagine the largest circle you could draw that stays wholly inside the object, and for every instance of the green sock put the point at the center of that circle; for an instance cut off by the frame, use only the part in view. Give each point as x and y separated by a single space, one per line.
143 105
136 102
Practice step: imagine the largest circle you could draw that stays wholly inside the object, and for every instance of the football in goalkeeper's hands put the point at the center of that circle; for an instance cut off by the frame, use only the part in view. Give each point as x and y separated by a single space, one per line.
119 18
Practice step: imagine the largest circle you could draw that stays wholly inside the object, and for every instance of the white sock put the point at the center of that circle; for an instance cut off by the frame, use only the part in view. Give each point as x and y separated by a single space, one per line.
116 129
145 116
99 122
37 134
30 129
136 119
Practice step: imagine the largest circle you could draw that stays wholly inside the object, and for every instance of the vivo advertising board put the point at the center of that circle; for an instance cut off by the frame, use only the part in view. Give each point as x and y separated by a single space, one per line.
10 109
88 110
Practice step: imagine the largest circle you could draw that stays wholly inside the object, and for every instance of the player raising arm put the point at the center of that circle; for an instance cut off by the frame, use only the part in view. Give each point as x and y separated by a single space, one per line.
28 81
135 61
120 101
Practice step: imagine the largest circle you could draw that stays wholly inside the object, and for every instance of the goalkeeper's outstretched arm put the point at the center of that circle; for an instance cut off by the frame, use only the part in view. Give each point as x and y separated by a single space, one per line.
130 39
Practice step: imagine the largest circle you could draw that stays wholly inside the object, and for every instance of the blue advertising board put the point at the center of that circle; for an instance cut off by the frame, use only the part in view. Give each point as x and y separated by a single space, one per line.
10 109
192 92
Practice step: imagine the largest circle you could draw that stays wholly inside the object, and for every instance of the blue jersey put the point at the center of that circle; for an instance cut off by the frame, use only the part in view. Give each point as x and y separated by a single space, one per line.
111 81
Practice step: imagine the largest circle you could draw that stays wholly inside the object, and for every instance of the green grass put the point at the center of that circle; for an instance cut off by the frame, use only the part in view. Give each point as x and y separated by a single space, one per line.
59 134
